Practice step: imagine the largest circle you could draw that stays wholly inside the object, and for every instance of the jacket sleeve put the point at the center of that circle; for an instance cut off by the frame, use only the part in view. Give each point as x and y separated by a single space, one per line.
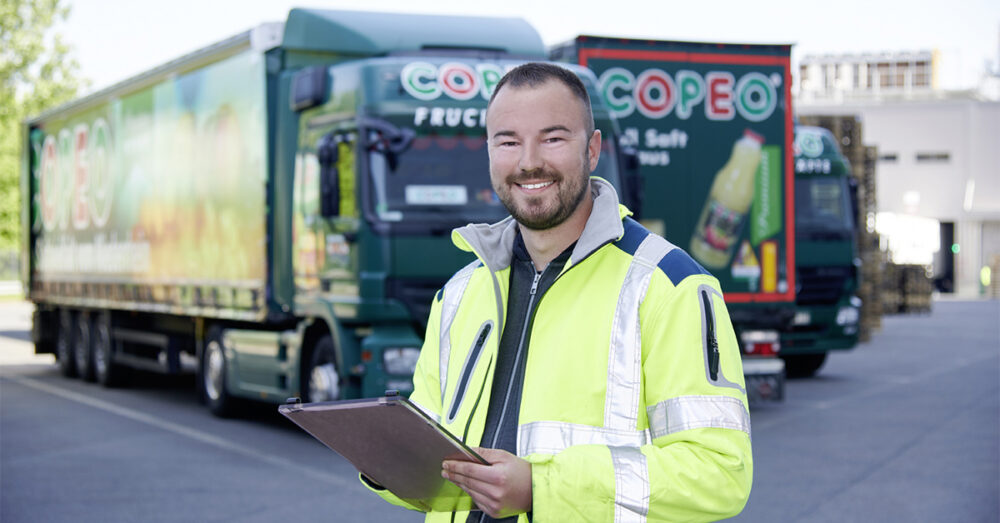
426 391
698 464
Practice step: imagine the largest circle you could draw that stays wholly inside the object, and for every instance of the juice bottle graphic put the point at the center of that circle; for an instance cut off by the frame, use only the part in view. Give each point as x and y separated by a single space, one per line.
722 219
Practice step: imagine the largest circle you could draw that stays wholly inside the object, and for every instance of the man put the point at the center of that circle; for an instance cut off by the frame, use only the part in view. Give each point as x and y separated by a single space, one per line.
593 362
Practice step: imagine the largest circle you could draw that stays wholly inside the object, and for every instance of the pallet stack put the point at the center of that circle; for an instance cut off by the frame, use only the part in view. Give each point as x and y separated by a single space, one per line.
907 288
863 159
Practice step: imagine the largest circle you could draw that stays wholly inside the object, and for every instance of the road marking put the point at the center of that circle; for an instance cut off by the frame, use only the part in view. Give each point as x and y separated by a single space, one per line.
194 434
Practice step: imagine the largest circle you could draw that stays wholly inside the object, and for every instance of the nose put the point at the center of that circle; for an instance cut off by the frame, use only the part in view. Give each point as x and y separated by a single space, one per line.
531 158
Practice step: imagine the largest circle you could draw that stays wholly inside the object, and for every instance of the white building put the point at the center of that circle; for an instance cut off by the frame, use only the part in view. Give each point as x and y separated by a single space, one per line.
939 152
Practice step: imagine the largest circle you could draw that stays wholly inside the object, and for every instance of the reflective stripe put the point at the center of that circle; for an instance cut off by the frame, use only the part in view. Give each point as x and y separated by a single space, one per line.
453 292
425 410
552 437
621 402
631 484
697 412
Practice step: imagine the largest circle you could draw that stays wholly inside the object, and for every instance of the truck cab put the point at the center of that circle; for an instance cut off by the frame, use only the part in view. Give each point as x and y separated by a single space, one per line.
827 308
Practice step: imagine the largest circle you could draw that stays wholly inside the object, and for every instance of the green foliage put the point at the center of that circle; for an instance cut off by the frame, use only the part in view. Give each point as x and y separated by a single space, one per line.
36 72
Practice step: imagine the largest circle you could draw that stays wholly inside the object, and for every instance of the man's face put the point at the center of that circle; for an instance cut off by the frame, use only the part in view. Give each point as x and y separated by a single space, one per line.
541 154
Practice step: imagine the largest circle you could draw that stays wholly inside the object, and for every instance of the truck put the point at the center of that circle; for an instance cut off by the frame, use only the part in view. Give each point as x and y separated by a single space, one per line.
712 128
827 261
271 213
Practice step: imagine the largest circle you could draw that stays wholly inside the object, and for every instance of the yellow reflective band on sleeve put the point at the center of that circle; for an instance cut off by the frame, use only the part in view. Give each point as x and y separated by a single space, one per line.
621 402
453 292
552 437
631 485
697 412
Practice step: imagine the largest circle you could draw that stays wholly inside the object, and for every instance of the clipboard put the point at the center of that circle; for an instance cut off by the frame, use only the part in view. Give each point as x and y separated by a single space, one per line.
392 442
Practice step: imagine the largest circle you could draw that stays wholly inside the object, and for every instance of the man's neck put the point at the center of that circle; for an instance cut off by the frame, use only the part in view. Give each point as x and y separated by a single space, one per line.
544 246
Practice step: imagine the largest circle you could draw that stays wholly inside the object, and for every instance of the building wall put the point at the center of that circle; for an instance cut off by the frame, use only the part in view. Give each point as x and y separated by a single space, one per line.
960 182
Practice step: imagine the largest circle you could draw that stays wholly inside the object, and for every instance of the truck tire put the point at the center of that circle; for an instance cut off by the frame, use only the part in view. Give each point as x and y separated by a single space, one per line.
83 354
64 344
106 372
322 382
803 365
212 376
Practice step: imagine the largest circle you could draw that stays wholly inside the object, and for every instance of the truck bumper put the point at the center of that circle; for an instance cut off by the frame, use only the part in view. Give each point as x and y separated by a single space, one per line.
765 379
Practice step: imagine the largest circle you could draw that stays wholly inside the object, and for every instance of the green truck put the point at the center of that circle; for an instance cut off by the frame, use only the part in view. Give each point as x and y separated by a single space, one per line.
827 262
712 128
273 212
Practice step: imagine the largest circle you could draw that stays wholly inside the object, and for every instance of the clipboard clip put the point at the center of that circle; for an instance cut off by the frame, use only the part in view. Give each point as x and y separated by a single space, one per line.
294 402
391 393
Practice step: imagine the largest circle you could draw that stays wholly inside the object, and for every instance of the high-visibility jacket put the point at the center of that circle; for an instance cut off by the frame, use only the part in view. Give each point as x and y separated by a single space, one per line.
633 404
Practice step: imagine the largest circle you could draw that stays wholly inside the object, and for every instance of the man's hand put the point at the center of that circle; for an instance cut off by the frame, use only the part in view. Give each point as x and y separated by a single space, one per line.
500 490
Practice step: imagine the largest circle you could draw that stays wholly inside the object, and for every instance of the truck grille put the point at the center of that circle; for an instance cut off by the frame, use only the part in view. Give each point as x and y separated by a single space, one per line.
821 285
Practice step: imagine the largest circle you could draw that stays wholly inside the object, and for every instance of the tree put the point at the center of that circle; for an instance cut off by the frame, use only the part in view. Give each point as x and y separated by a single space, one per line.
37 72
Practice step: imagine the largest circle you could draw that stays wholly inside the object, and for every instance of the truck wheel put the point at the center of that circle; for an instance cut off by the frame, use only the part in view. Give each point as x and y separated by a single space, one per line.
803 365
213 377
64 344
106 371
83 348
322 380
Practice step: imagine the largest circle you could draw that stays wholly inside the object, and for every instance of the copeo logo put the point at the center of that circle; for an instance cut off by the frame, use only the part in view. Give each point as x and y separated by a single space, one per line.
455 80
655 94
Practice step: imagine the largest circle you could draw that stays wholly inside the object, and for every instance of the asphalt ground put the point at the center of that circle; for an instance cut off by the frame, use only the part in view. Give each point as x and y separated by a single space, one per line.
903 428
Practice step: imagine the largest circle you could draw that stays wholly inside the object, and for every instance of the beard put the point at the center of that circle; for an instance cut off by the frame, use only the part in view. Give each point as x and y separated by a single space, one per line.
542 212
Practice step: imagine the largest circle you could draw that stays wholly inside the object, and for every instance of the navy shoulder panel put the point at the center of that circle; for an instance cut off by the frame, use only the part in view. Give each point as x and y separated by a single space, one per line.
678 265
634 234
440 293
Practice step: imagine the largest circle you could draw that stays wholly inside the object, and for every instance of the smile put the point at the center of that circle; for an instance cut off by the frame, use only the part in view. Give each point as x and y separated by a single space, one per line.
534 185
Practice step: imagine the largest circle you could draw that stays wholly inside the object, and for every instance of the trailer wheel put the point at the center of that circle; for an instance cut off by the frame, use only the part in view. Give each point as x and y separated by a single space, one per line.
82 347
106 371
803 365
213 377
322 379
64 344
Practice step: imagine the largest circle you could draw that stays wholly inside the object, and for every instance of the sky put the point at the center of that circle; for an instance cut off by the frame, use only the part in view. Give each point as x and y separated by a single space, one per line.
116 39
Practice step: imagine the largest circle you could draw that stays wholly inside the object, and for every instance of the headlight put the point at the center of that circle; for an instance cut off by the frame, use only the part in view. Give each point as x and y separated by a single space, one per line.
400 361
847 316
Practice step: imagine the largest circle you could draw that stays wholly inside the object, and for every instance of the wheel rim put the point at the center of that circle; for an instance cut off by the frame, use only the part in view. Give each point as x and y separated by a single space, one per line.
324 383
215 366
63 342
81 349
103 353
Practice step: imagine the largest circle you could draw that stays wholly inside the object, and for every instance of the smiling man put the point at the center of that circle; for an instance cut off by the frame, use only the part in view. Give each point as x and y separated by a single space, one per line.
592 362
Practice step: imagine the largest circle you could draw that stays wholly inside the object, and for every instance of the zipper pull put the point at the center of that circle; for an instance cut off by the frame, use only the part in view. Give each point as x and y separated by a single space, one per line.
534 284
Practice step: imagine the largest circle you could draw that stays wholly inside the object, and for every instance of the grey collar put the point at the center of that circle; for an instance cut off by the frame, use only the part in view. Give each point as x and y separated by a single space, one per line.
494 243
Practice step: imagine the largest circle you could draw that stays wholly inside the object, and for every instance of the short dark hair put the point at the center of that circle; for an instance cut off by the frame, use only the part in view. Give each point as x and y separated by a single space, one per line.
534 74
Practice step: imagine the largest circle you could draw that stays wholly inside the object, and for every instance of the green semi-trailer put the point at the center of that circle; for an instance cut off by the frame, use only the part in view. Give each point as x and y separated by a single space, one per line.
272 212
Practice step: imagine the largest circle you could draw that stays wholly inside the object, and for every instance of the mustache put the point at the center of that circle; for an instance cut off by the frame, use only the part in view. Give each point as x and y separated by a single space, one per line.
536 175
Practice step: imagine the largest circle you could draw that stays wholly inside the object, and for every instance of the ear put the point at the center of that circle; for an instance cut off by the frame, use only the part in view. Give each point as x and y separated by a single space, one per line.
594 149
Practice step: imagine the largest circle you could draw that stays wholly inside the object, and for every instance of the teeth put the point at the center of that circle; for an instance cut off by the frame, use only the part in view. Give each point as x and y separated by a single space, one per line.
535 185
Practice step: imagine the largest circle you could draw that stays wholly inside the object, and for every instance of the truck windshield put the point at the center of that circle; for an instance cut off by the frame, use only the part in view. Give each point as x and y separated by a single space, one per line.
445 178
823 208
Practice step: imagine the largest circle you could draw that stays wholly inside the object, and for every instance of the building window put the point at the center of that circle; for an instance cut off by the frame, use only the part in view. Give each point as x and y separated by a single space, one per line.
933 157
888 157
884 78
900 76
921 75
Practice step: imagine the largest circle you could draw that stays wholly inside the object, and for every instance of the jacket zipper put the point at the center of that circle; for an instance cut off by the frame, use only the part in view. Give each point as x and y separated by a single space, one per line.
517 358
711 344
473 358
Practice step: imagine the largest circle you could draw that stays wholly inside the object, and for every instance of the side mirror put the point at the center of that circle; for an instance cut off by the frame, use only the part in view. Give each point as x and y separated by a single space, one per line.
309 88
632 179
852 185
391 142
329 175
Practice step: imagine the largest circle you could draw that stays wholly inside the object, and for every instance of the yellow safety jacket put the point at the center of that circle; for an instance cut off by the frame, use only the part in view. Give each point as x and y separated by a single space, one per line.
633 405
